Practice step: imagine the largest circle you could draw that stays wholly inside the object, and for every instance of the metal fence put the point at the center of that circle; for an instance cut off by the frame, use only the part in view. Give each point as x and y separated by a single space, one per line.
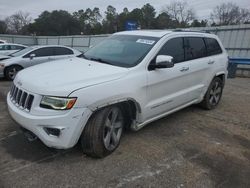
236 39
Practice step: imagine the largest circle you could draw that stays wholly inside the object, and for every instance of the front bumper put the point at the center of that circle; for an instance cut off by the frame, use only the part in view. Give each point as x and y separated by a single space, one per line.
71 125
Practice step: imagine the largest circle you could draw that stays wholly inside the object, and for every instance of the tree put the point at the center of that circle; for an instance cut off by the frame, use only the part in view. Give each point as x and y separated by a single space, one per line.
148 14
229 13
55 23
163 21
197 23
122 19
136 15
180 12
3 27
110 23
17 22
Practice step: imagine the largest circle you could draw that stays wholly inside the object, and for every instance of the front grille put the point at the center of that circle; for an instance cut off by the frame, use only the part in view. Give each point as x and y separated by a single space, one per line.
21 98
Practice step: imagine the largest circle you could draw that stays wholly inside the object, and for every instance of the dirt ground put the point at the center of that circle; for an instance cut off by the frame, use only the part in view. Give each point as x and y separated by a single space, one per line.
190 148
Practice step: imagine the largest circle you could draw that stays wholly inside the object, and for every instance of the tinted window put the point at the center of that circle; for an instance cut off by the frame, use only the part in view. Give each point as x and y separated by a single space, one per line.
194 48
42 52
62 51
2 47
14 47
213 46
5 47
174 48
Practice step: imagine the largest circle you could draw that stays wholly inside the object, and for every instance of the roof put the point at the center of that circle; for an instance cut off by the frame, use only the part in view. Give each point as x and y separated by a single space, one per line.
158 33
12 44
150 33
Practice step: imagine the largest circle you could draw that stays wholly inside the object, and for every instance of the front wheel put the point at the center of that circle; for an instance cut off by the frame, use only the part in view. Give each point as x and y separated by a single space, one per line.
103 132
213 94
11 71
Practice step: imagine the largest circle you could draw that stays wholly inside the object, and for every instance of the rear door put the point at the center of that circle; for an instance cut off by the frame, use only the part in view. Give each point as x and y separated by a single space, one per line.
199 64
62 53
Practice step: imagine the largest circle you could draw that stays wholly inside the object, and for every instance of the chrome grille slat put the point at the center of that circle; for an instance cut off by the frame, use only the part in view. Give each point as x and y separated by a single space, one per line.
21 98
26 102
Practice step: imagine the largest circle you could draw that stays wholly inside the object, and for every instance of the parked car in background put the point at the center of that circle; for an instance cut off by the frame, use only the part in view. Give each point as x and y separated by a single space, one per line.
2 41
9 48
3 57
126 81
34 55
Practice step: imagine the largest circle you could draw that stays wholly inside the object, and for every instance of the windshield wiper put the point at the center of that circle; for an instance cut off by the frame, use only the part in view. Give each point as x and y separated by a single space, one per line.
100 60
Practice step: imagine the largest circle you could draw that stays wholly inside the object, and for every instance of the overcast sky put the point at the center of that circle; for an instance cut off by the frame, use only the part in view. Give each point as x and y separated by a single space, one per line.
35 7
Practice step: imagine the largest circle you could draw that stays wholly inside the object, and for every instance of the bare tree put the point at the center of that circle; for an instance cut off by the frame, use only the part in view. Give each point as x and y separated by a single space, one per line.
230 13
180 12
17 22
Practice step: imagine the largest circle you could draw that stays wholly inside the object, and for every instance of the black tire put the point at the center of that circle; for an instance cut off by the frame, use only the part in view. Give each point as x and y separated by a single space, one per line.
213 94
11 71
100 132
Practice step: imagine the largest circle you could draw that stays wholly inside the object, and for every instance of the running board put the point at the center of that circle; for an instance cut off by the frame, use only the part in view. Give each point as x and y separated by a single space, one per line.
137 126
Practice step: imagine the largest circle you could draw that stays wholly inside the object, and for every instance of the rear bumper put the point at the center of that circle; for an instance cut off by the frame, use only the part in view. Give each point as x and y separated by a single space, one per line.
70 124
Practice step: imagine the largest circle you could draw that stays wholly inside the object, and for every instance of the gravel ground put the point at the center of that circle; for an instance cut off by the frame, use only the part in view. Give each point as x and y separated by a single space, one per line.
190 148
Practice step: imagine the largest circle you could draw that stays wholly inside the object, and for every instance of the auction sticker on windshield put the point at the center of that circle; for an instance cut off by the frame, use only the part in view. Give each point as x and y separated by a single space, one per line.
145 41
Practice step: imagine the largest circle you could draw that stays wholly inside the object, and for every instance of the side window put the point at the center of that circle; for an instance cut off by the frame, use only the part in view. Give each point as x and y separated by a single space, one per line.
14 47
5 47
62 51
194 48
174 48
213 46
42 52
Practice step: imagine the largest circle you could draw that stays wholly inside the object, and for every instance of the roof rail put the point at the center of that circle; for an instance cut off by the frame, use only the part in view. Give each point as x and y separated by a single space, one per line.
189 30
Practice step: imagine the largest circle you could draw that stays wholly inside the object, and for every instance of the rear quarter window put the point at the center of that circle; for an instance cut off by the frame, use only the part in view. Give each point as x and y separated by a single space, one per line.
213 46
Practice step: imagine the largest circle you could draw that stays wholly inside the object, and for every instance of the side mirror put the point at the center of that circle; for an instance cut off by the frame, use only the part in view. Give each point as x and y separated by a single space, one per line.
164 61
32 56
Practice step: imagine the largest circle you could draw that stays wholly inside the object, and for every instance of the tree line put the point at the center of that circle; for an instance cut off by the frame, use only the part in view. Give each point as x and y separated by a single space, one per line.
177 14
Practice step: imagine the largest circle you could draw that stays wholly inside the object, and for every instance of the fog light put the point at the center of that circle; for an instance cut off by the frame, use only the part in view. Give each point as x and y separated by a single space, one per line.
52 131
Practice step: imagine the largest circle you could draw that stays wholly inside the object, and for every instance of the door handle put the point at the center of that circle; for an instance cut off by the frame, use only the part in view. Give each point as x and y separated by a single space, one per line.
183 69
210 62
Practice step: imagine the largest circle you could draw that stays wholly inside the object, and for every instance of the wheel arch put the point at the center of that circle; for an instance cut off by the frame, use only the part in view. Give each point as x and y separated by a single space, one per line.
130 107
12 65
222 76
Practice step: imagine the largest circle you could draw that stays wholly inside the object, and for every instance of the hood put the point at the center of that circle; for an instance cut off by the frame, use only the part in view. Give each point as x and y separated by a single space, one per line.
60 78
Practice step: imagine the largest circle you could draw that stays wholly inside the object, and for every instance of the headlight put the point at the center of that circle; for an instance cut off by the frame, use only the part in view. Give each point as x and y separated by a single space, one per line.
57 103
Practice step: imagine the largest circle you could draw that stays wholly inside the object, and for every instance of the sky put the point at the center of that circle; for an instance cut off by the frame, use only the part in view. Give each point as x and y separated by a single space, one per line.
202 8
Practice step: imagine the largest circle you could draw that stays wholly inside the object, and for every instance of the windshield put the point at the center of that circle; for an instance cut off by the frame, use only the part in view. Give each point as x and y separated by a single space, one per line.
21 52
122 50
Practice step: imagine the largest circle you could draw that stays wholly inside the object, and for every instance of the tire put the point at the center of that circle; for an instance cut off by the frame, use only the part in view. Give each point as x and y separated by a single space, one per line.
11 71
102 134
213 94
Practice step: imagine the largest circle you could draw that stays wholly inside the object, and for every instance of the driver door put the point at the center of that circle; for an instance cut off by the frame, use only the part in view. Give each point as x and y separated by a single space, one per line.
41 55
169 88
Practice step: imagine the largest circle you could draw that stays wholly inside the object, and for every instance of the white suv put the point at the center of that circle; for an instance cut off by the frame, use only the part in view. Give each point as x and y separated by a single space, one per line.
127 81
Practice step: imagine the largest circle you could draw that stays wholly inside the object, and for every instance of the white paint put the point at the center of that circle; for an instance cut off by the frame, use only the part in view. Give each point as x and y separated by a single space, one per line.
156 93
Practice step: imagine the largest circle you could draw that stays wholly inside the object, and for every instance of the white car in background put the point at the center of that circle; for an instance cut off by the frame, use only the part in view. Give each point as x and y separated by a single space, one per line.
9 48
2 41
34 55
126 81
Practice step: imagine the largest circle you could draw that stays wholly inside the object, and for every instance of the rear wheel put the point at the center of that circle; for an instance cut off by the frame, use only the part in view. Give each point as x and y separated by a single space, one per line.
103 132
213 95
11 71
